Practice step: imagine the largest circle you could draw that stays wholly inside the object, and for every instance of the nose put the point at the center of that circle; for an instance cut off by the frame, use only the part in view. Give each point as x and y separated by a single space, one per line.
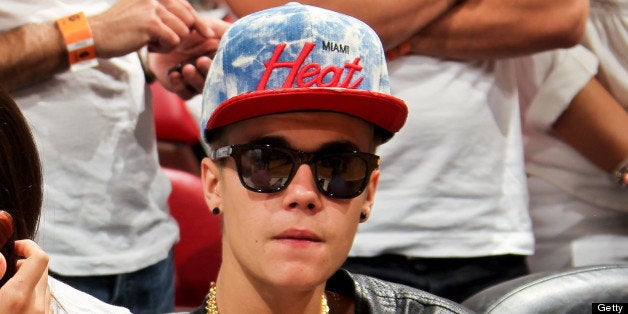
302 191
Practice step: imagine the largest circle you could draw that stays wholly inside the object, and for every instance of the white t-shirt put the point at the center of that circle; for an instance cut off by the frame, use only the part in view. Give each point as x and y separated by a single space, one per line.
105 196
452 182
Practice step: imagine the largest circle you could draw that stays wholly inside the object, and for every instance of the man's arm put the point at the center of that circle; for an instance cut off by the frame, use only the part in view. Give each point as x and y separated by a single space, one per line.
469 29
486 29
393 20
596 125
31 53
34 52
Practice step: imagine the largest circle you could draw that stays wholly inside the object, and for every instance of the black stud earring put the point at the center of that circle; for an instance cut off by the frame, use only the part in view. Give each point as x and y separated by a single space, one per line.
362 215
216 211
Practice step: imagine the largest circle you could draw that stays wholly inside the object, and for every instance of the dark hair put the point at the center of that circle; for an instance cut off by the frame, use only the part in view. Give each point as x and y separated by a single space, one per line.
20 177
215 138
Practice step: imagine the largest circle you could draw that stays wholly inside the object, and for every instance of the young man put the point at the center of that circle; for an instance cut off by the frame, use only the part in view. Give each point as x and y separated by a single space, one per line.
295 104
451 214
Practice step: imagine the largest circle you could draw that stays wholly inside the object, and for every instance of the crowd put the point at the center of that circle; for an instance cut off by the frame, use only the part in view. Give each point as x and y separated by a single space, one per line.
448 146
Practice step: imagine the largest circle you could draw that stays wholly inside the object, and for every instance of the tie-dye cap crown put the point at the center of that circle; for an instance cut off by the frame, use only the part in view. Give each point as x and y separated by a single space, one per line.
299 58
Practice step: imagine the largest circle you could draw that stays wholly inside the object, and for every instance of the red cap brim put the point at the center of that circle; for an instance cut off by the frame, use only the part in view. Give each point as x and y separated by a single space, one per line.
382 110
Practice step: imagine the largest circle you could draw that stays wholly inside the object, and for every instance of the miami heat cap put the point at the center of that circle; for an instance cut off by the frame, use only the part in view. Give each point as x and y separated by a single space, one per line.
299 58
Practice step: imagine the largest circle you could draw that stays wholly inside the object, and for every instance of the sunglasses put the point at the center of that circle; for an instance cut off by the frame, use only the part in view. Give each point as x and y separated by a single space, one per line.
268 169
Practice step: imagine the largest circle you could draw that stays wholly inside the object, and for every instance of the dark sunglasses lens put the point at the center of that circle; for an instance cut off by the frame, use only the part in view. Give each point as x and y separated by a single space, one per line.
341 175
265 169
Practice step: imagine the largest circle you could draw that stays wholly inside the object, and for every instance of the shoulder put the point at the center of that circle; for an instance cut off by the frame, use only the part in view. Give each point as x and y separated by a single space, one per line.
373 295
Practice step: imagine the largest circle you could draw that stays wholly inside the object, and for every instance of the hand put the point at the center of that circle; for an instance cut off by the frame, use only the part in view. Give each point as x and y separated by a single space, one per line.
193 56
132 24
27 291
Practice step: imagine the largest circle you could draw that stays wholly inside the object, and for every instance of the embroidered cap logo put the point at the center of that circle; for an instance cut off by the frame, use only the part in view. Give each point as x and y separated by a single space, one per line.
310 74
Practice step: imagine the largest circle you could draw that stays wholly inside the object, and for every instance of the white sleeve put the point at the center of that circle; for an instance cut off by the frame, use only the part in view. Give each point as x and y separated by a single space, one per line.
549 80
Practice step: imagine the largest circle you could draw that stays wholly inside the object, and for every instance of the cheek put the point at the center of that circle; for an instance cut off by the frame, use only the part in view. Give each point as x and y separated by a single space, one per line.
242 232
345 225
245 219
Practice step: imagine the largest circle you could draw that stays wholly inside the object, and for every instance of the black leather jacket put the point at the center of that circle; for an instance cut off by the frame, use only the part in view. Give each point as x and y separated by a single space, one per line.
378 297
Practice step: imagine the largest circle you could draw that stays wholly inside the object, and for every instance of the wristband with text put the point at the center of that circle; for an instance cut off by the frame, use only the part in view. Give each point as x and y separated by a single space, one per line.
78 40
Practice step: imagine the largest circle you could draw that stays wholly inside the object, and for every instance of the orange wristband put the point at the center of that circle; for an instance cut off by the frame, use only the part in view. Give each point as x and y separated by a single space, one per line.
78 40
396 52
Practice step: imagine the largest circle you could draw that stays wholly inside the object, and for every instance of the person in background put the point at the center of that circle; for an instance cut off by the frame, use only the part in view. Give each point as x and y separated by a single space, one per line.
295 105
25 286
577 154
74 68
451 213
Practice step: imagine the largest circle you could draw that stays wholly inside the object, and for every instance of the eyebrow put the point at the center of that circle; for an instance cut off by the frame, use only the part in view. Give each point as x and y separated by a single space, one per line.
334 146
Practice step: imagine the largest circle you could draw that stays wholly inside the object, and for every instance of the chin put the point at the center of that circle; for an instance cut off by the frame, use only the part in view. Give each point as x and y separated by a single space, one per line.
301 277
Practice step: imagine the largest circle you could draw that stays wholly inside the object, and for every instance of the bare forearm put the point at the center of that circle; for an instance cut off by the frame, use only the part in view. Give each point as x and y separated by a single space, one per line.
487 29
31 53
393 20
596 126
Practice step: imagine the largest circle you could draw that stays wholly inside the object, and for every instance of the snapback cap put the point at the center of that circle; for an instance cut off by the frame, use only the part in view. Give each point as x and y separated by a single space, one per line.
299 58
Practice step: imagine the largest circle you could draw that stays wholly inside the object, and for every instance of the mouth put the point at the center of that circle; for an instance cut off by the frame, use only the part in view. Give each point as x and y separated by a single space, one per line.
298 236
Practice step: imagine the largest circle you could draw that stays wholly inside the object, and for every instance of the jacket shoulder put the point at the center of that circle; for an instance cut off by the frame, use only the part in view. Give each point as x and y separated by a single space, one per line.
378 296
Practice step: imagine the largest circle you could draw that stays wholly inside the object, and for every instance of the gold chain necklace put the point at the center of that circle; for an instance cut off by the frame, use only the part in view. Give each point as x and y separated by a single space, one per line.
212 307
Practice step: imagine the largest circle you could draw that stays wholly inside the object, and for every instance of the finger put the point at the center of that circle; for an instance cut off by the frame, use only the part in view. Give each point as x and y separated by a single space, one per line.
202 65
196 45
184 12
218 26
172 26
179 86
35 264
197 23
194 79
164 39
174 22
203 27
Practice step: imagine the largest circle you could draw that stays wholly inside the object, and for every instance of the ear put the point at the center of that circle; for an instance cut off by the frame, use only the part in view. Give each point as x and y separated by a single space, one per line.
369 199
211 176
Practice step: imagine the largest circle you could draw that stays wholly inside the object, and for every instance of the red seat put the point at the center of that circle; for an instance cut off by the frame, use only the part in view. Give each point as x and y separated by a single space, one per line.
176 130
198 252
173 121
